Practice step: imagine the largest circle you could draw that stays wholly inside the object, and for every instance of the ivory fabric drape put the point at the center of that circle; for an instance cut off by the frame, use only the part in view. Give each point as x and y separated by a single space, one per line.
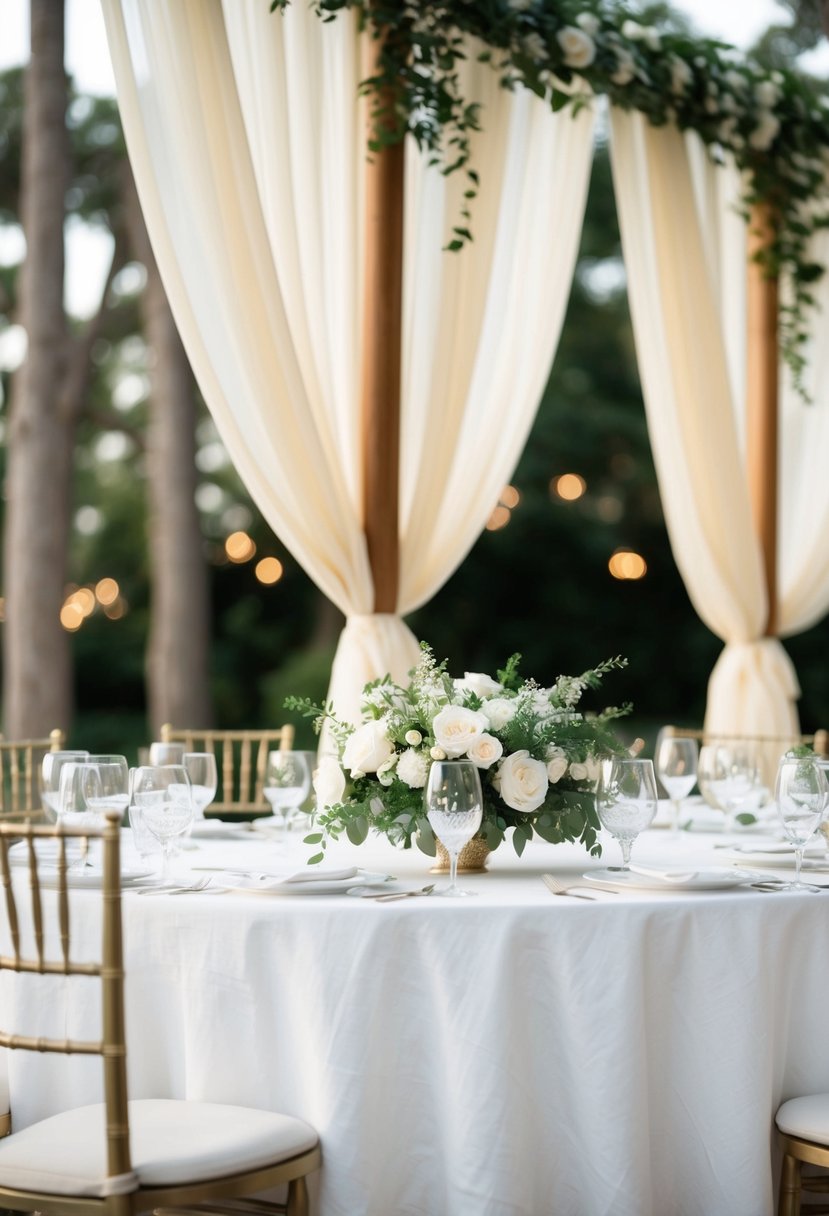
247 142
685 250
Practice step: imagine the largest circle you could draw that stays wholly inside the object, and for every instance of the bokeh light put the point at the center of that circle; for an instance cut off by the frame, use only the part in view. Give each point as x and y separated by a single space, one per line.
625 564
568 486
269 570
239 547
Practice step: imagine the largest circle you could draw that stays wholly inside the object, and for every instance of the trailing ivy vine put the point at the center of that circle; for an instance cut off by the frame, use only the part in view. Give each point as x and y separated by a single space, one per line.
774 123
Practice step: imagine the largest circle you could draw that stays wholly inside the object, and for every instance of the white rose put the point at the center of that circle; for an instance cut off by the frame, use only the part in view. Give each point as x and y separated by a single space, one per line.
578 771
329 782
534 46
625 68
556 765
578 47
485 750
523 782
763 135
499 711
652 39
767 94
413 737
633 30
456 727
413 768
367 749
588 22
476 681
681 76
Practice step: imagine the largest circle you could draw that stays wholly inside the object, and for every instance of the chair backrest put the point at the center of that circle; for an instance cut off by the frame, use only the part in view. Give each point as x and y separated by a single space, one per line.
819 741
109 971
241 760
20 761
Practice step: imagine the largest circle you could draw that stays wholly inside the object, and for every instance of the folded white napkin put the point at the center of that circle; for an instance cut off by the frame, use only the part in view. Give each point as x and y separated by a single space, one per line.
667 876
780 847
315 874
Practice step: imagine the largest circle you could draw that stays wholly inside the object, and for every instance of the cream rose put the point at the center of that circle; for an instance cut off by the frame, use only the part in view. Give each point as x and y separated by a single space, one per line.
456 727
523 782
478 682
367 749
329 782
499 711
485 750
578 771
578 47
556 765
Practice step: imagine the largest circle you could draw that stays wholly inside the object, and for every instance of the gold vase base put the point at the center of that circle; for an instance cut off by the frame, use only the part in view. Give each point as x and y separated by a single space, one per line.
472 858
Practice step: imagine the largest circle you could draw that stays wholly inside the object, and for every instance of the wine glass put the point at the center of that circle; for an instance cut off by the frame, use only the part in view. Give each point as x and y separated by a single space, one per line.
287 783
676 767
51 767
626 800
201 769
79 785
162 798
454 807
730 778
106 784
800 792
165 753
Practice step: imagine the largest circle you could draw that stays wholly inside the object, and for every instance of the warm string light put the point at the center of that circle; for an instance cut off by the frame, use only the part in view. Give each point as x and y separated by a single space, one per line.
508 500
626 564
239 547
81 602
568 486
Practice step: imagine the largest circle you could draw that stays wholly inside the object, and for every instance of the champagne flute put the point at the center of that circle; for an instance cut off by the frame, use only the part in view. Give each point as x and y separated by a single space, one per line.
201 769
626 801
287 783
800 793
676 767
163 800
454 807
51 767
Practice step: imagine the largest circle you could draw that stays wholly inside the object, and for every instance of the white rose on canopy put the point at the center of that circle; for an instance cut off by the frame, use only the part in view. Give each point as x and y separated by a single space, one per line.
577 46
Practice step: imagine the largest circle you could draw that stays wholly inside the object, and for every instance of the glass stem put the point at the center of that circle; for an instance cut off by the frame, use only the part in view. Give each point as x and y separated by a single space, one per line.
453 870
675 805
166 853
798 862
626 845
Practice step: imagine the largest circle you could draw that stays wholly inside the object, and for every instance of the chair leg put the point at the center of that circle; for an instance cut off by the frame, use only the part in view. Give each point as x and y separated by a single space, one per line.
298 1198
789 1204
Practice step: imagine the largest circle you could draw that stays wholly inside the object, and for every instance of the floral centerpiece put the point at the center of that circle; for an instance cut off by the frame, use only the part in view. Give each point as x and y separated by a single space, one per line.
538 756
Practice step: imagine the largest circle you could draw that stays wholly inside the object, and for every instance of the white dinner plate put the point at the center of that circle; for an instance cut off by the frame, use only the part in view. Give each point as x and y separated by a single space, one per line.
777 854
92 877
711 878
333 884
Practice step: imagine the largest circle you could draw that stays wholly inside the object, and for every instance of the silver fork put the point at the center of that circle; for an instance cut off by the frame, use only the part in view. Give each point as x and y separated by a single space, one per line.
201 884
391 895
560 886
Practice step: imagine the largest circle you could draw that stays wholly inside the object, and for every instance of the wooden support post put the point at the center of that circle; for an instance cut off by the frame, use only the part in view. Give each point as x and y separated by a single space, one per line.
762 400
381 358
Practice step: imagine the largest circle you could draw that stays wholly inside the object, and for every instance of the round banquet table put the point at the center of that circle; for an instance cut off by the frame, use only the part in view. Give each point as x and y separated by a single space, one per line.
511 1054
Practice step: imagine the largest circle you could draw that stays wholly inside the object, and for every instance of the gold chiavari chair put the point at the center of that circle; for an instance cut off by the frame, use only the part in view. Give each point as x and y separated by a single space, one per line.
20 761
118 1158
803 1124
819 741
241 760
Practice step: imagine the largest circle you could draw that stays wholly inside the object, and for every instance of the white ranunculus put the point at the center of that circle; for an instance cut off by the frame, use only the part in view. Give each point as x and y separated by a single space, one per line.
485 750
523 782
578 771
413 738
329 782
413 769
499 711
577 46
478 682
455 727
556 765
589 22
367 749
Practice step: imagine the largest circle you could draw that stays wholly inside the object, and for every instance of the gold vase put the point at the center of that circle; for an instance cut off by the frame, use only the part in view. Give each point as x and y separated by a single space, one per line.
471 860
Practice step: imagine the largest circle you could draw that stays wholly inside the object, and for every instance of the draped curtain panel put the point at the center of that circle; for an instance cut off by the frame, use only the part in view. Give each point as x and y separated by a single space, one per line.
685 251
247 141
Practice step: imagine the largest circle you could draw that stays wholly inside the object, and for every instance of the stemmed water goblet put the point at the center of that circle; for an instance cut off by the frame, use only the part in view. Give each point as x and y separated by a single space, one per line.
676 767
730 778
164 804
626 801
88 789
51 768
201 769
454 807
800 793
161 754
287 783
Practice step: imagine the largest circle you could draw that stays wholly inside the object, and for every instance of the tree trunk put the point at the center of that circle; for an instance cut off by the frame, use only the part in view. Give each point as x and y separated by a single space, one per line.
37 692
178 659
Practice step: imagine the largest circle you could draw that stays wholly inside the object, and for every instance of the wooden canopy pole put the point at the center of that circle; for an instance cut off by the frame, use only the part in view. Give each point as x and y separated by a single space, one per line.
381 357
762 400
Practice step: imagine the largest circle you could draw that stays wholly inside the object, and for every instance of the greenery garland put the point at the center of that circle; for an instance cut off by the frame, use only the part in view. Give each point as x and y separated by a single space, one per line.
774 123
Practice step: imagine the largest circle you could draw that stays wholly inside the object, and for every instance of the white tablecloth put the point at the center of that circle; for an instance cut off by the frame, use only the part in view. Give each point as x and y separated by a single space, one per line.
513 1054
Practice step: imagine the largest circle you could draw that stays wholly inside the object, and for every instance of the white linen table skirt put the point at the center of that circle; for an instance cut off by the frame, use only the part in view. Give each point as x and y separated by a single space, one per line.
513 1054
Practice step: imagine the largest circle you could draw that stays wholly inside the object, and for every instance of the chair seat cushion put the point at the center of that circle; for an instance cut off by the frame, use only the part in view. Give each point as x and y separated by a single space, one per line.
806 1117
171 1142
